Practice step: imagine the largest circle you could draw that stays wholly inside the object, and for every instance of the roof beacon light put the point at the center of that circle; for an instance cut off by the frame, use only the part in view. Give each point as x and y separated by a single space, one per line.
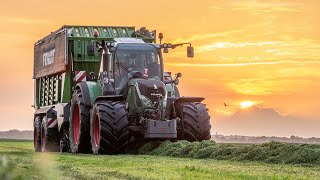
160 37
95 33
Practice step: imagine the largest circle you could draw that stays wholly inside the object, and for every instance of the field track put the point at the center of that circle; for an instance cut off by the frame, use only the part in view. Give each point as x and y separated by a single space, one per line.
19 161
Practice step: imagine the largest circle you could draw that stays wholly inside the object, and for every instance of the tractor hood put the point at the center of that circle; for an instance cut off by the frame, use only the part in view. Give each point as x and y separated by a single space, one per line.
150 88
148 91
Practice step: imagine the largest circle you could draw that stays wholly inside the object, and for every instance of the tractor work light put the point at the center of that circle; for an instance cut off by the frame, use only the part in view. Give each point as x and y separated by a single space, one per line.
160 37
95 33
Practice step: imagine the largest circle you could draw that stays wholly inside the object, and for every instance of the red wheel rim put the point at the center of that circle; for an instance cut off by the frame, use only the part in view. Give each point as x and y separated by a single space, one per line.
96 130
42 136
76 124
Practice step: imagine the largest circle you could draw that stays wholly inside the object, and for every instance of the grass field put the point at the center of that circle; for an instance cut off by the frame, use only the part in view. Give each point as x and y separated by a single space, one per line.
18 161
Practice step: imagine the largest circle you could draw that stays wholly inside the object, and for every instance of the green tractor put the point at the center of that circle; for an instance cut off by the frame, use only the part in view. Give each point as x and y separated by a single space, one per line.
104 90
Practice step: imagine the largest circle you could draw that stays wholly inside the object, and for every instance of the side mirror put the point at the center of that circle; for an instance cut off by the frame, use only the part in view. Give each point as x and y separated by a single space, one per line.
190 52
176 80
90 49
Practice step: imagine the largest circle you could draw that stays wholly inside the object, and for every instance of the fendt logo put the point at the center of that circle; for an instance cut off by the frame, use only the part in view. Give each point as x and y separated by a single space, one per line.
48 57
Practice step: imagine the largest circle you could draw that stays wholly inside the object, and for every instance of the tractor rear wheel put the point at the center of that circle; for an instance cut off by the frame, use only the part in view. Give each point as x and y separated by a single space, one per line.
49 137
195 121
79 122
37 134
109 127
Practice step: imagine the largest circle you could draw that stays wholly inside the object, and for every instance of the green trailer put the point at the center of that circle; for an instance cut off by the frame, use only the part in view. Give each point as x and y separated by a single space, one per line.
103 89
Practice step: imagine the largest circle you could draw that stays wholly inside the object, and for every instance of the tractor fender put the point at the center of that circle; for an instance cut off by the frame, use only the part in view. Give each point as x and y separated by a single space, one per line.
184 99
51 115
181 100
63 113
42 111
90 90
85 91
173 104
58 114
111 98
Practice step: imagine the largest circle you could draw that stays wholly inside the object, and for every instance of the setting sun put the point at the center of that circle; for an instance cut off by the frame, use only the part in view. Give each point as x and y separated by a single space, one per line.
246 104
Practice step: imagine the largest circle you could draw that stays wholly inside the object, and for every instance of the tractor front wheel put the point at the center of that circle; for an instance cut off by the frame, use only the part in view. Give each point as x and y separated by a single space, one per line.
109 127
195 121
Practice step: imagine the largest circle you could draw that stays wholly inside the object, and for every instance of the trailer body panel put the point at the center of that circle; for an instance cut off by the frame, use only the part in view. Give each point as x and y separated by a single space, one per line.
50 56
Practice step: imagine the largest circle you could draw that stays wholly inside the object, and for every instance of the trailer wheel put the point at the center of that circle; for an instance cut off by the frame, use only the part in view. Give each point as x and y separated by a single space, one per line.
79 124
195 122
64 138
109 128
49 137
37 134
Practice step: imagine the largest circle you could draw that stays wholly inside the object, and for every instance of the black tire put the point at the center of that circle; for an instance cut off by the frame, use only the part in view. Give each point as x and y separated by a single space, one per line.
109 128
79 124
64 138
195 122
49 137
37 134
176 91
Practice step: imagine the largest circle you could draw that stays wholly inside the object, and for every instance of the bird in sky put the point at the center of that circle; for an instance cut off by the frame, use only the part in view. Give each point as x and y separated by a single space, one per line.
225 104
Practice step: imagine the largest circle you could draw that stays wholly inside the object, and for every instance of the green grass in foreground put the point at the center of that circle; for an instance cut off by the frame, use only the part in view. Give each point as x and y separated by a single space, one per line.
19 161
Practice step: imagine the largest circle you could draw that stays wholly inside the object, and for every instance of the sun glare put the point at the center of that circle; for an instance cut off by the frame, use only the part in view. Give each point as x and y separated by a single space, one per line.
246 104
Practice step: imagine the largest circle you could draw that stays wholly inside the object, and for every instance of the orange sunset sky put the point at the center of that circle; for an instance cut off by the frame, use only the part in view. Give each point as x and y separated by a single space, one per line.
265 52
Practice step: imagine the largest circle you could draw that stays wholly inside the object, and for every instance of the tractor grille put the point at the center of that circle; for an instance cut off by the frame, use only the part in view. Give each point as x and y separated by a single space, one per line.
147 87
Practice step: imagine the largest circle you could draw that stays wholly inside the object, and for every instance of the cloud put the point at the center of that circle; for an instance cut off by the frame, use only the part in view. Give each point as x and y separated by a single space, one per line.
258 121
243 64
259 86
268 51
259 7
22 20
210 35
216 7
219 45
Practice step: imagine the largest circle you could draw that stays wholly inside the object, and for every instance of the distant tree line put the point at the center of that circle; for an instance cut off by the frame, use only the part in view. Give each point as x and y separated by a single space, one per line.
16 134
28 134
263 139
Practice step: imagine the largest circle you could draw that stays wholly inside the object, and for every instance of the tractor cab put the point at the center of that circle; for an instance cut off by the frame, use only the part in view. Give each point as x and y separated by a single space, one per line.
135 60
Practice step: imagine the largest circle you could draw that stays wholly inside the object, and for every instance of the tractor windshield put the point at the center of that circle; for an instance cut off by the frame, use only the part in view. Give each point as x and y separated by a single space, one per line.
136 58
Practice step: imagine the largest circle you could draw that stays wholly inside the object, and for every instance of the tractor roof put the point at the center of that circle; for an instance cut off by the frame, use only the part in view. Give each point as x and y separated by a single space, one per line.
108 33
104 31
128 40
